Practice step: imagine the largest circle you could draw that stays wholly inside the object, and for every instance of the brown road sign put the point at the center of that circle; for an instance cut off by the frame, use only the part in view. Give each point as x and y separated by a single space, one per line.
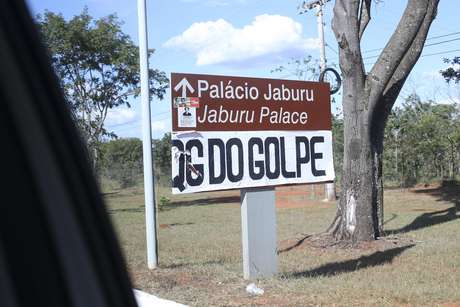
225 103
286 135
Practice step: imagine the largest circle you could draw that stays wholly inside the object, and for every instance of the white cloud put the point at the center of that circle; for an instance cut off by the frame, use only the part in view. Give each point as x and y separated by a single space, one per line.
267 38
160 125
120 116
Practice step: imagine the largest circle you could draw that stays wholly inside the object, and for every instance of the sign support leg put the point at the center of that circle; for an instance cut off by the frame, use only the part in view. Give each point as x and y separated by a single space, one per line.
258 223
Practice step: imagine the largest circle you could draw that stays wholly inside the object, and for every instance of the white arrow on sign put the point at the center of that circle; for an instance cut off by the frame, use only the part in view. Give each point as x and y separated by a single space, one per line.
184 84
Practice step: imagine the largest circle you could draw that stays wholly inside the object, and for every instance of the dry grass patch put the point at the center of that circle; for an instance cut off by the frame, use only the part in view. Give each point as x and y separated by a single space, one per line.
416 264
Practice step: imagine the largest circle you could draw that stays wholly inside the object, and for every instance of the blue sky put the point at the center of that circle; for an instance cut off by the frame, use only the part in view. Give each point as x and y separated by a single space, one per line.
252 37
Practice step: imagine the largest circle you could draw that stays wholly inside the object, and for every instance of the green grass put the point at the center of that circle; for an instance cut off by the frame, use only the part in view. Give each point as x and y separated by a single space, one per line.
200 252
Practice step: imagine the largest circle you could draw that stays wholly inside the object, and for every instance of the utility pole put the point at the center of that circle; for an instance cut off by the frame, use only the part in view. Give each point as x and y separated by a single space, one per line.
304 7
149 187
322 49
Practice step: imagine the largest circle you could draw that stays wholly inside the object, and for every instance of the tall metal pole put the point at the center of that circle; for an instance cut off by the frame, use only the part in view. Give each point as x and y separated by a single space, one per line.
330 187
305 6
149 188
322 49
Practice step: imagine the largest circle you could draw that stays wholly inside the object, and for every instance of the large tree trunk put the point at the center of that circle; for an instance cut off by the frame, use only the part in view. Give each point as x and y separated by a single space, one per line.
378 191
367 102
356 201
377 137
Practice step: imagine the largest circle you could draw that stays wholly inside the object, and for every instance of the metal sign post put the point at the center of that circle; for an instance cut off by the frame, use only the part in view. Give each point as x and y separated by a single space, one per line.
149 188
258 229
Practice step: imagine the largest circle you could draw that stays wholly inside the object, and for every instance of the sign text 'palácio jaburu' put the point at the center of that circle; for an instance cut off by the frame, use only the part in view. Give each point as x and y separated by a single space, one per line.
234 132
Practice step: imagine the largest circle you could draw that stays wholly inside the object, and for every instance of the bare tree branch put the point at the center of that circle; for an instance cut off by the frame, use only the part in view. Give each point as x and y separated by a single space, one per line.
398 45
346 32
404 68
132 92
413 54
364 16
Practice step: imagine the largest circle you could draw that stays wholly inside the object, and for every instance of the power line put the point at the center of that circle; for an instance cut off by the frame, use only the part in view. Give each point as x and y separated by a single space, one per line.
161 113
132 127
371 50
429 38
442 52
137 125
161 117
429 45
442 42
439 36
122 124
131 124
429 54
328 46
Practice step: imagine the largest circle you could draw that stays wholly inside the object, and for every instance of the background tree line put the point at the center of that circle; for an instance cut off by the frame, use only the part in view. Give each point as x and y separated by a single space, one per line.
422 142
121 161
97 65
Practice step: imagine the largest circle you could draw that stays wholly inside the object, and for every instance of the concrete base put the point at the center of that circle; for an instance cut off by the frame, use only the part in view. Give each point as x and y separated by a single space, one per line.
258 223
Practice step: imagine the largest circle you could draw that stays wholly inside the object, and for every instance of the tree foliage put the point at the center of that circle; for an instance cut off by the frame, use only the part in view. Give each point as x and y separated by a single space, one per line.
422 142
452 73
162 157
121 161
98 68
337 145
